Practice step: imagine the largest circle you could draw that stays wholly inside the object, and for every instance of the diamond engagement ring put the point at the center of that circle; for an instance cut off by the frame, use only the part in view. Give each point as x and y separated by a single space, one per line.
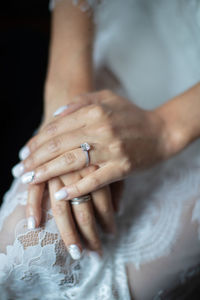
86 147
79 200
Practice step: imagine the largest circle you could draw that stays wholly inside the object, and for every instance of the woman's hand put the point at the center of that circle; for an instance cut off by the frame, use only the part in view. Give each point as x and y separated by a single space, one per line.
82 223
123 138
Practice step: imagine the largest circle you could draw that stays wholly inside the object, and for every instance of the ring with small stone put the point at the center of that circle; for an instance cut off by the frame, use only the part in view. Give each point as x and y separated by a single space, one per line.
86 147
79 200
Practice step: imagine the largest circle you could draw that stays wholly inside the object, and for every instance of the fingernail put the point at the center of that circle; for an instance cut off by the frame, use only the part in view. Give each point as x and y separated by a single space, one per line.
60 195
24 152
31 222
28 177
18 170
74 251
60 110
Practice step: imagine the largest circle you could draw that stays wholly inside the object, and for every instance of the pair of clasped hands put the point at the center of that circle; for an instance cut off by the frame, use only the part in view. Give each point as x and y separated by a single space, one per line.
123 138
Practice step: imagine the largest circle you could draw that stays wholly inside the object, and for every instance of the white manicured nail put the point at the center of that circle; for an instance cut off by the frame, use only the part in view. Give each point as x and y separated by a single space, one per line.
24 152
60 110
28 177
74 251
18 170
60 195
31 223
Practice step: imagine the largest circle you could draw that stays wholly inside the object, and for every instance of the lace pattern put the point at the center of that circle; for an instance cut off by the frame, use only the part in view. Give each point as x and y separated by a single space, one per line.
154 199
37 263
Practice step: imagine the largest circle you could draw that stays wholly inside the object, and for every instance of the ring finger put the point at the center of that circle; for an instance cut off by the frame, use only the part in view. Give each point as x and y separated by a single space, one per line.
84 214
68 162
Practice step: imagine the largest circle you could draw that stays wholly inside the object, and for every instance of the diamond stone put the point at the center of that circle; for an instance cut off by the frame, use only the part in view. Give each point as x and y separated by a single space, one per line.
85 146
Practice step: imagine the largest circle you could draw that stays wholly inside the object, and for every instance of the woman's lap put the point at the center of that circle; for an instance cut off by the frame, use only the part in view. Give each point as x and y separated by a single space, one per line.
147 274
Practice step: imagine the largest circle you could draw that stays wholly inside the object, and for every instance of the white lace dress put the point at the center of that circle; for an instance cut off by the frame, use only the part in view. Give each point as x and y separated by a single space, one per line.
153 49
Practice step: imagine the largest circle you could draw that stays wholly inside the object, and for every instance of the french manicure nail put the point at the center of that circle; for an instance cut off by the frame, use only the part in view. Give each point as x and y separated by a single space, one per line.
74 251
28 177
31 223
60 195
24 152
60 110
18 170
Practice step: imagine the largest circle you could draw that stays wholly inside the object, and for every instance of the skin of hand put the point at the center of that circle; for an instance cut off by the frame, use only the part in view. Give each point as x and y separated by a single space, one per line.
82 222
123 138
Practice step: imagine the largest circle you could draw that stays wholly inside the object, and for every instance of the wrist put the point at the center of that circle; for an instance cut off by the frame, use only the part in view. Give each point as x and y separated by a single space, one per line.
58 94
174 137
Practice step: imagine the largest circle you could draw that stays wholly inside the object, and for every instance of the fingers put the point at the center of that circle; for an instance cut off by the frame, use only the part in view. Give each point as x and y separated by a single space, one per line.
67 123
104 209
85 219
64 220
33 208
54 148
90 183
75 116
68 162
84 214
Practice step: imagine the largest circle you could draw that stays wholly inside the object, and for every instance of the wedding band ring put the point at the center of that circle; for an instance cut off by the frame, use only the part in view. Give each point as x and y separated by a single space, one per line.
86 147
79 200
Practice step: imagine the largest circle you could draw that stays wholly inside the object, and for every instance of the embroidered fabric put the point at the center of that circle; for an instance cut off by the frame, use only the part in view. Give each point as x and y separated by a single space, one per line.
158 241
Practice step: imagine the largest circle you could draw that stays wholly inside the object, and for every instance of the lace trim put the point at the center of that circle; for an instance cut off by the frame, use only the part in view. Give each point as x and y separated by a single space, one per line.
149 224
38 265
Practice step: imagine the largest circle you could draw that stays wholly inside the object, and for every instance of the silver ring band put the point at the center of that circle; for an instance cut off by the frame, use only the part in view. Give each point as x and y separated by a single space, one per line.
79 200
86 147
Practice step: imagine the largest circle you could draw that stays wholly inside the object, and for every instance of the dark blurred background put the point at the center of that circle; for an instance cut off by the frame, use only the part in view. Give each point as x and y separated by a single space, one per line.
24 38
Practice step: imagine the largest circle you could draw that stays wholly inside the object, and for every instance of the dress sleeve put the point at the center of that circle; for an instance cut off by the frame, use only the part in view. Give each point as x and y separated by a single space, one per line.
84 5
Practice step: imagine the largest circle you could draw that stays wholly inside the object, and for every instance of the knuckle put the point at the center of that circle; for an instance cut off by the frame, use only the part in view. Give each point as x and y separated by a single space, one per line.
94 182
51 128
105 210
69 158
96 112
85 218
126 166
59 209
54 145
76 190
43 169
118 148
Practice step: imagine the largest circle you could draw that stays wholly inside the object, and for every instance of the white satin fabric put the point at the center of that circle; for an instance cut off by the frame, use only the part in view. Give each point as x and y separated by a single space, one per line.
153 49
